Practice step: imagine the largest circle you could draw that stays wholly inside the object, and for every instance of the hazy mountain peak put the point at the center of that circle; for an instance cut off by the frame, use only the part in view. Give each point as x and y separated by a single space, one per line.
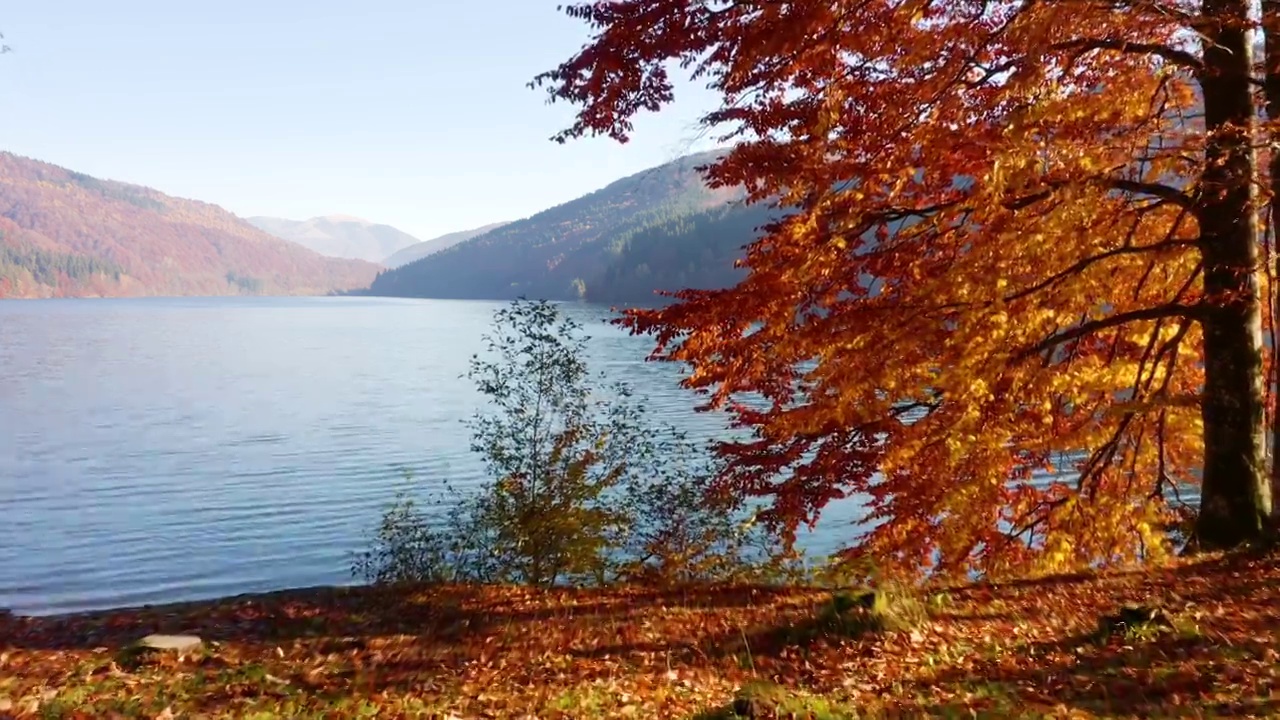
341 236
407 255
339 218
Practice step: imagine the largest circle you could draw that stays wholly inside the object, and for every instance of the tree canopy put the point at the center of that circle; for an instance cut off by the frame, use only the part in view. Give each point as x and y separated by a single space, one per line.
1024 237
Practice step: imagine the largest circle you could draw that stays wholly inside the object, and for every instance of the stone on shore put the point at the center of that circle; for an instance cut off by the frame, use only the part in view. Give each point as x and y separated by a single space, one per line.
178 643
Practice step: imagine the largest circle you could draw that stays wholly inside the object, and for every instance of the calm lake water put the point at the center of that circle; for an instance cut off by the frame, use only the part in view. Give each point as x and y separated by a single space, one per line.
157 450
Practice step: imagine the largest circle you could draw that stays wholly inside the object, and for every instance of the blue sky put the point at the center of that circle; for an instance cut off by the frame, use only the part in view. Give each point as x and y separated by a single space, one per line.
408 112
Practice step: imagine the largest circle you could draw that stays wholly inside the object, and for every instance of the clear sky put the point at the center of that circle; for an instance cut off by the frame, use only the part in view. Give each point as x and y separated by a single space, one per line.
413 113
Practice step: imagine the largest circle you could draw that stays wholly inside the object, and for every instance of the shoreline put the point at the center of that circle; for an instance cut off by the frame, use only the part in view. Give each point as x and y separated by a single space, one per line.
362 591
177 605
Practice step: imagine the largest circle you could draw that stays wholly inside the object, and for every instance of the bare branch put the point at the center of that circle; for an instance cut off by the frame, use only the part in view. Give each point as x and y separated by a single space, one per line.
1079 331
1164 192
1173 55
1086 262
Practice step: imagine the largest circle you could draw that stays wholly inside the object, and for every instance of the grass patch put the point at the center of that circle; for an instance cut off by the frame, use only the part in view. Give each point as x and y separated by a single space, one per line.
584 702
1134 623
760 700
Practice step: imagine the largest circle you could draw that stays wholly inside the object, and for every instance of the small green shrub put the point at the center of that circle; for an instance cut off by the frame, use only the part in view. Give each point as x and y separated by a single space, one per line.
856 613
416 544
585 489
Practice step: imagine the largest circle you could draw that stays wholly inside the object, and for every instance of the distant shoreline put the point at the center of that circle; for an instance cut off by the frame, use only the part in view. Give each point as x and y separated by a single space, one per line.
284 594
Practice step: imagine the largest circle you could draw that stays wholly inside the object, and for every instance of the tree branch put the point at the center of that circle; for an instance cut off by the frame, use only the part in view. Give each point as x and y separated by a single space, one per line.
1079 331
1081 265
1164 192
1173 55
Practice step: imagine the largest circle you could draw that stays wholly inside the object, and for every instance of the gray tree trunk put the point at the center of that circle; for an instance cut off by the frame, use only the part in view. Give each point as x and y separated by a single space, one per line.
1235 501
1271 59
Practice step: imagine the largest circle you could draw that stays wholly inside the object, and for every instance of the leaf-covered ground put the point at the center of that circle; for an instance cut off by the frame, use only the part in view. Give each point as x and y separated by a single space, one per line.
1023 649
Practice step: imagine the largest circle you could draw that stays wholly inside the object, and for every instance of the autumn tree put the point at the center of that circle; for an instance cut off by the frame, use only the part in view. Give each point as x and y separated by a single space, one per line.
1022 238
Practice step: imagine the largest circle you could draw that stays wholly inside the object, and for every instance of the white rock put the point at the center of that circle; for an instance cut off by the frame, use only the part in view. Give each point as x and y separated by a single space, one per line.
179 643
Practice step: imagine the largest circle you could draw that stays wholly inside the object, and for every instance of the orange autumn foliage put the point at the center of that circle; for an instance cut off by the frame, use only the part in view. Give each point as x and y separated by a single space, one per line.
992 270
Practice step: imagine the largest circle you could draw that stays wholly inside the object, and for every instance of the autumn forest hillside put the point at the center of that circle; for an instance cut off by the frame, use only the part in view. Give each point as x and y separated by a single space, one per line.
660 229
65 234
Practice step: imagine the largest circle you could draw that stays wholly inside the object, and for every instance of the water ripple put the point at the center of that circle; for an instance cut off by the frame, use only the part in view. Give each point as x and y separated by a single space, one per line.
147 455
157 462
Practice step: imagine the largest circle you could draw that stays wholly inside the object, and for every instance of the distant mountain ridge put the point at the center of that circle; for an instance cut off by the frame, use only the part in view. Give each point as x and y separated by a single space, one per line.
660 229
340 236
66 234
435 245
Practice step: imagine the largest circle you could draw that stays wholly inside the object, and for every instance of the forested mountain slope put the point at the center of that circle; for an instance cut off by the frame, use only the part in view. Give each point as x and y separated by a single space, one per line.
661 229
694 250
65 234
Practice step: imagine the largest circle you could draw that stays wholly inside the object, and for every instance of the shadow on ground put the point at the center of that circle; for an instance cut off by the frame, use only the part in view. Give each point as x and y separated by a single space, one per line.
440 613
993 650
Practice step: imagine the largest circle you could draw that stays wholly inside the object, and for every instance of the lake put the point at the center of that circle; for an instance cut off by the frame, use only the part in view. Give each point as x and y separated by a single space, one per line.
158 450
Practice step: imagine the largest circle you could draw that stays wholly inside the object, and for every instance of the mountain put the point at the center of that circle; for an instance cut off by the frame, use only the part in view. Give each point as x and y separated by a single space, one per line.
65 234
690 250
435 245
339 236
661 229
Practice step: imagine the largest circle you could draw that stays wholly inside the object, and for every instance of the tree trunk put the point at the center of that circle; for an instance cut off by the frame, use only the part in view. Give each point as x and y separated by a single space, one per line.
1235 505
1271 59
